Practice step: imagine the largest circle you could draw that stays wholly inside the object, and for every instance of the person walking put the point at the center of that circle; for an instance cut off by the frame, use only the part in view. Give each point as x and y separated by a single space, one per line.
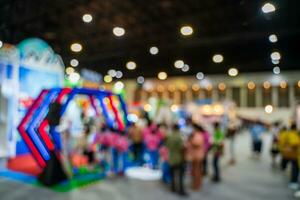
176 149
290 143
217 149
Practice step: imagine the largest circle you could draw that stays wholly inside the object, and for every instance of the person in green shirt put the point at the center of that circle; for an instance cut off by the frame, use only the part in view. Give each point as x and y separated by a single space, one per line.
176 148
217 149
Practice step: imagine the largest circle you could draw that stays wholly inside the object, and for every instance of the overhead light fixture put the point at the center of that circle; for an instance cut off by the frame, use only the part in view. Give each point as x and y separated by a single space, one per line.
87 18
119 74
107 79
70 70
118 31
233 72
222 86
186 30
179 64
275 55
153 50
74 77
269 109
275 62
273 38
131 65
276 70
119 86
1 43
140 80
283 84
251 85
218 58
267 85
76 47
268 8
185 68
162 75
74 62
200 76
112 72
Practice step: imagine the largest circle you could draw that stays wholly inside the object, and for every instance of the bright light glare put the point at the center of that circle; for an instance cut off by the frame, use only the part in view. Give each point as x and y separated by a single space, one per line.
118 31
269 109
186 30
74 77
74 62
162 75
276 70
200 76
153 50
131 65
273 38
140 79
218 58
233 72
107 79
76 47
275 55
179 64
87 18
268 8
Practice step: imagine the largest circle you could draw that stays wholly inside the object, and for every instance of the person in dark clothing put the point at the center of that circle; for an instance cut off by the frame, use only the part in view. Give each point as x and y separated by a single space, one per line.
175 146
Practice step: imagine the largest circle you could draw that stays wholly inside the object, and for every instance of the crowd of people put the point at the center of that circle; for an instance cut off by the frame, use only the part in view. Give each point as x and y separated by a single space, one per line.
176 150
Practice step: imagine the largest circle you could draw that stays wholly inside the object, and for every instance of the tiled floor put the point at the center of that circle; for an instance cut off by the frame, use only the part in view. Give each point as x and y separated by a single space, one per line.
248 180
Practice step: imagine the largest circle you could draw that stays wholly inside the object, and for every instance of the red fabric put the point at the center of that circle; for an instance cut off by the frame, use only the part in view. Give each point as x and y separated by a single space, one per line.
25 164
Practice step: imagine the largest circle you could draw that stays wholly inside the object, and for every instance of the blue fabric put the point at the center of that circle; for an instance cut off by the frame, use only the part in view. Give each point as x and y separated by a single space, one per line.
256 132
166 174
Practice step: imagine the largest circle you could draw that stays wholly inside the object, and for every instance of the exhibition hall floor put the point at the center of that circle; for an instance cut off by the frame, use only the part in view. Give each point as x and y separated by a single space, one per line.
249 179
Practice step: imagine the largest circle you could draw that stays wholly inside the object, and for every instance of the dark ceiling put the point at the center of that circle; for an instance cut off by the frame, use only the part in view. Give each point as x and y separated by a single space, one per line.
238 29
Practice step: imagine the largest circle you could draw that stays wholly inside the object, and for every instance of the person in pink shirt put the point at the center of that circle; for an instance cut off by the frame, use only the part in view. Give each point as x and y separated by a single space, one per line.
197 151
152 140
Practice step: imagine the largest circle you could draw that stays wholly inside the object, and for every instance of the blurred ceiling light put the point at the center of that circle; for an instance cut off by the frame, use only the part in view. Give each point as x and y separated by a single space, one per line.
87 18
185 68
153 50
118 31
275 55
268 8
186 30
233 72
76 47
200 76
267 85
107 79
218 58
195 87
119 74
112 72
209 87
69 70
162 75
74 62
179 64
140 80
275 62
251 85
74 77
119 86
276 70
283 85
269 109
222 86
298 84
131 65
273 38
1 43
